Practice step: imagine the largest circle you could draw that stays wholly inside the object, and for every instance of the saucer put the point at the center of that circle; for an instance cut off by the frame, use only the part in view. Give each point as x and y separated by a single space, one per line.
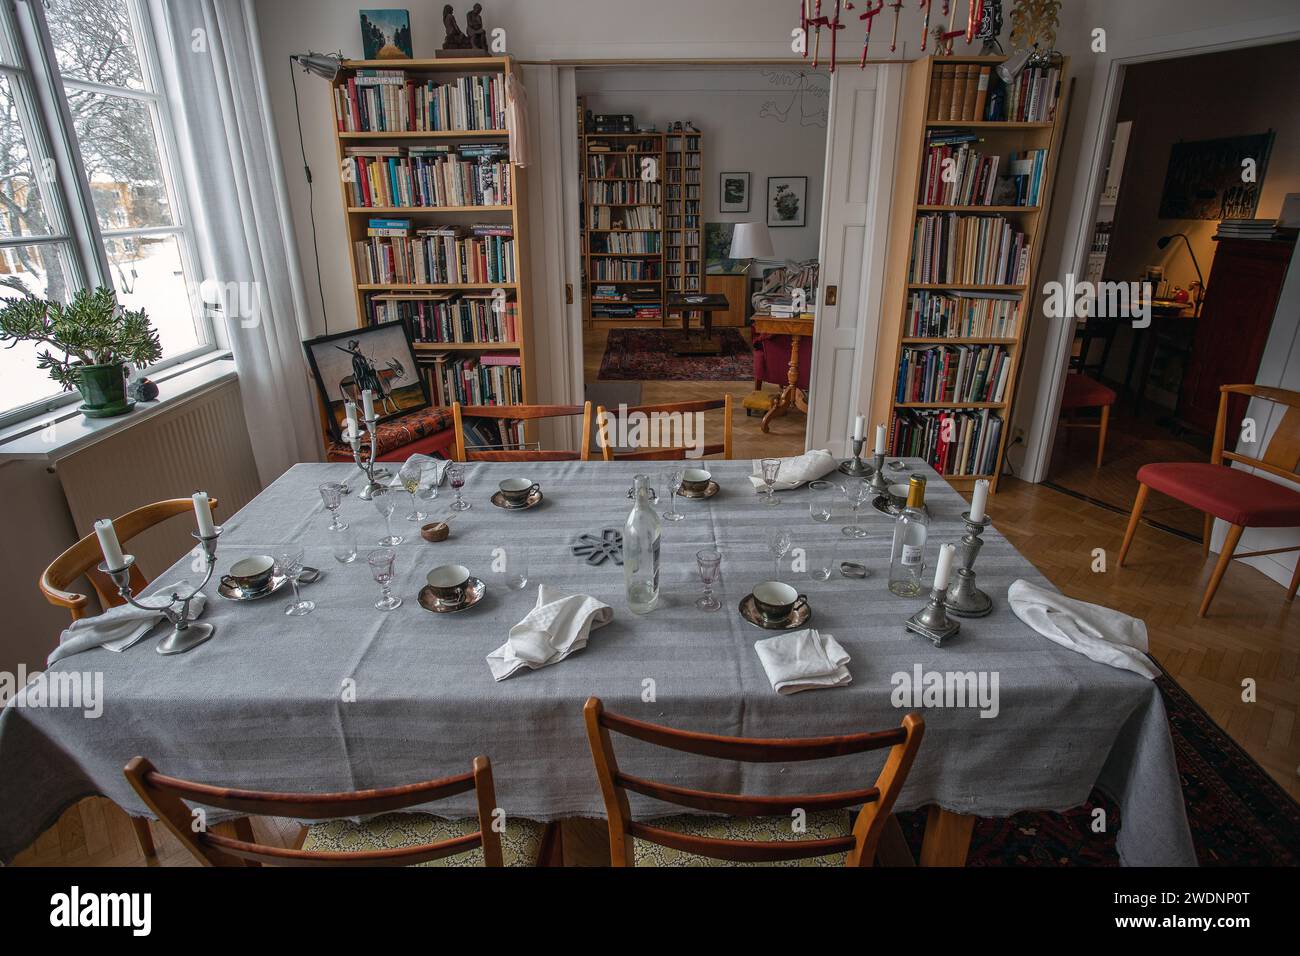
532 501
235 593
473 594
708 492
888 505
798 618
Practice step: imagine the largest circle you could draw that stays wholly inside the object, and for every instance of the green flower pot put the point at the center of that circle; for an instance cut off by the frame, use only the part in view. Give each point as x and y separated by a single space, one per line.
103 390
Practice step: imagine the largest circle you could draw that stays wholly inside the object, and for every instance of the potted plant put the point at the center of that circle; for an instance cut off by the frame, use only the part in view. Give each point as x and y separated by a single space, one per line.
97 338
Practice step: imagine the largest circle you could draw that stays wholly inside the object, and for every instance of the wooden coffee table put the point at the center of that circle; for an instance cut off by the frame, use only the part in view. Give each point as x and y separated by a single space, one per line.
686 305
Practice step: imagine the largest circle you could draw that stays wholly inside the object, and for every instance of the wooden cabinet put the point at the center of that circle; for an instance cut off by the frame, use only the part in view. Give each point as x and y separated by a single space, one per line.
736 289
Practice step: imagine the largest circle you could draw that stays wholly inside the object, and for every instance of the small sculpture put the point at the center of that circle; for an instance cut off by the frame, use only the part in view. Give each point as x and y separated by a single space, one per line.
1034 23
474 23
990 28
455 39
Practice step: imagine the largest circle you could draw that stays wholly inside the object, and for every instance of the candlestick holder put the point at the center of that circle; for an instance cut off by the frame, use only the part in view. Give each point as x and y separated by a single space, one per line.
187 633
855 467
964 599
367 467
932 621
879 483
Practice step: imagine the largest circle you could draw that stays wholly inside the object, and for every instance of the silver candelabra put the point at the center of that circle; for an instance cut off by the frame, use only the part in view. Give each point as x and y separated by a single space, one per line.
368 466
186 632
964 599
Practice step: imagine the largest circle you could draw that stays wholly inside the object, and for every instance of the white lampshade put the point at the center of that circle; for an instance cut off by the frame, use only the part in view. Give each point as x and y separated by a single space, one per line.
751 240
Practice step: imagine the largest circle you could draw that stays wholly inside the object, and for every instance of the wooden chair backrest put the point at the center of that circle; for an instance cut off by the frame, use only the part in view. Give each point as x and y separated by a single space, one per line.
521 413
169 799
877 800
84 558
1282 456
671 453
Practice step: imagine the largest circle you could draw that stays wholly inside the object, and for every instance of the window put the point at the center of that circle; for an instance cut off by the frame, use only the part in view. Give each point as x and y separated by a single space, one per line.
82 73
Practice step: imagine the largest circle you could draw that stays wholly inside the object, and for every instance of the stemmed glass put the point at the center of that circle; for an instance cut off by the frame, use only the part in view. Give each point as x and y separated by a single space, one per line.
331 493
384 504
381 567
857 492
456 475
428 482
673 479
409 475
289 563
771 468
778 542
709 563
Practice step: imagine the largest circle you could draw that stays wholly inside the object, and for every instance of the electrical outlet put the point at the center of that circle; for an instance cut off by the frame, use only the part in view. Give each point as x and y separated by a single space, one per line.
1018 436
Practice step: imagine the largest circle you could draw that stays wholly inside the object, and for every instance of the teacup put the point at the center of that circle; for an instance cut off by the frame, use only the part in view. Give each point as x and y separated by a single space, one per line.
696 480
776 601
448 582
898 491
251 574
516 491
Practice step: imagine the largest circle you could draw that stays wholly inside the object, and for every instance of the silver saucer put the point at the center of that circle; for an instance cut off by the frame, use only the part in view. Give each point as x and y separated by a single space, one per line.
889 505
532 501
798 618
710 490
236 593
474 592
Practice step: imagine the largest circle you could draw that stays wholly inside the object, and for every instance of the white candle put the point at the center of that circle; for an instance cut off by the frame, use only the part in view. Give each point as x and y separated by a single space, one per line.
978 499
203 512
859 428
108 544
880 439
368 404
350 409
944 566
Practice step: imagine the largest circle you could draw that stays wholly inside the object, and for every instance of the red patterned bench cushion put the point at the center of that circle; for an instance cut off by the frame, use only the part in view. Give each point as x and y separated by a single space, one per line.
427 430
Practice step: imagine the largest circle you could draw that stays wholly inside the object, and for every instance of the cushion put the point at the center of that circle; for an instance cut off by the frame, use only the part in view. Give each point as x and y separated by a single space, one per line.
396 434
520 843
1236 496
824 825
1083 391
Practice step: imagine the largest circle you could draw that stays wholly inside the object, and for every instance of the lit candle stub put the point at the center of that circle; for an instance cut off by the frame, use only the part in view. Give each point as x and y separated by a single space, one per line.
859 428
107 534
880 439
944 566
350 409
203 512
368 404
978 500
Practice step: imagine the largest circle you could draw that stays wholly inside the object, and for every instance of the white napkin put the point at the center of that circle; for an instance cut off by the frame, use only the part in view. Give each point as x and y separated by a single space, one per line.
439 465
809 466
1104 635
556 627
119 627
803 660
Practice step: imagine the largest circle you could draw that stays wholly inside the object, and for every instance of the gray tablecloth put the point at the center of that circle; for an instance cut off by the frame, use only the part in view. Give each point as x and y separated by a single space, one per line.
262 705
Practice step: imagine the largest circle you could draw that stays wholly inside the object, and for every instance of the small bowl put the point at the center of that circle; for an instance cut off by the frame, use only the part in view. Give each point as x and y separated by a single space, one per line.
435 532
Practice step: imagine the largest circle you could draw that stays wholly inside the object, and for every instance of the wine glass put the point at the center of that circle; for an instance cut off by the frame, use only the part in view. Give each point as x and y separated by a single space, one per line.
456 475
382 499
771 468
857 492
381 567
673 479
709 562
409 475
331 493
778 542
289 563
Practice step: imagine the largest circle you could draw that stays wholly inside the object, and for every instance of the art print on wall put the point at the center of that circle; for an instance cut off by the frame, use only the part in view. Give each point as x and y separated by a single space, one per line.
386 34
787 201
1216 178
379 358
733 192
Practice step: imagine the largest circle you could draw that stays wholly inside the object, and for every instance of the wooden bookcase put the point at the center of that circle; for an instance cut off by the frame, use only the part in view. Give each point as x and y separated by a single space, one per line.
996 138
683 229
513 214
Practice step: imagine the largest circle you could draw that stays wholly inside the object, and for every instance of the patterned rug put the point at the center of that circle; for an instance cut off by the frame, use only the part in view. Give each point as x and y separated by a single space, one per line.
1238 815
648 354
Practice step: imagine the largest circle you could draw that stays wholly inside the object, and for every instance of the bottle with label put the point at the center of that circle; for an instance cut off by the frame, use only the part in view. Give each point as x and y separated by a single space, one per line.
641 550
911 528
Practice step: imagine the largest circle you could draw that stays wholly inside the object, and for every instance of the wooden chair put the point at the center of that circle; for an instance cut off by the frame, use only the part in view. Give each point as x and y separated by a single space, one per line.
666 453
390 839
520 413
1084 392
875 830
83 559
1238 497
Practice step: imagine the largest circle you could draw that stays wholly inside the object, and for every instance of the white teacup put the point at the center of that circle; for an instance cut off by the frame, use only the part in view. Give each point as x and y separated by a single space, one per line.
777 601
448 582
251 573
696 480
899 490
517 490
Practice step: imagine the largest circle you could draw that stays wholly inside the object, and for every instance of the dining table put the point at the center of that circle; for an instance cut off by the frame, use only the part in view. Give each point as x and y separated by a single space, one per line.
350 697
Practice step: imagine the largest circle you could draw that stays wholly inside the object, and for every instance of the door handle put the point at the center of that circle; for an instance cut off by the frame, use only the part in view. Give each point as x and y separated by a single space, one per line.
832 292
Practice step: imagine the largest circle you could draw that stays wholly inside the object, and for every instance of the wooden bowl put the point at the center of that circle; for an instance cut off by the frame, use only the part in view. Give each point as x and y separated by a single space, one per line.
433 533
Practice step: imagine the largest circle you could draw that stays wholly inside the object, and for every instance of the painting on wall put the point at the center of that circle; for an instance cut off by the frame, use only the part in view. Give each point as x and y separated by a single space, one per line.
733 192
717 241
386 34
787 201
1216 178
379 358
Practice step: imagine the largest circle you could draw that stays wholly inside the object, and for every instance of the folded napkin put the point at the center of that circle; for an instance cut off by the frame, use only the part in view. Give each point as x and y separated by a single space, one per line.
803 660
809 466
1097 632
556 627
439 466
120 627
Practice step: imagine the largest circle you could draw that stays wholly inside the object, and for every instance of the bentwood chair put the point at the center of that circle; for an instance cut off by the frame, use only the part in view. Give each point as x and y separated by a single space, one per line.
1242 499
756 829
83 559
670 418
520 413
388 839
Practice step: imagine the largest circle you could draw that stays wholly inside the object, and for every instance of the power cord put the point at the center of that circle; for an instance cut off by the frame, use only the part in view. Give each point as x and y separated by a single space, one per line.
311 196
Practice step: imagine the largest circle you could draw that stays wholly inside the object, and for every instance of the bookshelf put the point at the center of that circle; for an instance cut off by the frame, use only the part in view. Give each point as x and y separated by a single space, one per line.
963 260
683 172
424 142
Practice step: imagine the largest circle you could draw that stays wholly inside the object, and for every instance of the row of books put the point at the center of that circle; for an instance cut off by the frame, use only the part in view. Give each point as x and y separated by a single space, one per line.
492 378
613 166
959 91
953 373
1028 169
953 442
624 145
623 193
968 250
955 175
622 311
936 315
624 269
630 217
625 242
476 174
450 317
1031 97
436 257
386 101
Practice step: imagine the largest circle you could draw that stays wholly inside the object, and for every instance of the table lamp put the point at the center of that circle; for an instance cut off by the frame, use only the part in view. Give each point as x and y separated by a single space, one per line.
752 240
1164 241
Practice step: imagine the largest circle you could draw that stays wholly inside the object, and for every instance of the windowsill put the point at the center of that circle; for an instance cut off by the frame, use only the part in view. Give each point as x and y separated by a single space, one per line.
49 436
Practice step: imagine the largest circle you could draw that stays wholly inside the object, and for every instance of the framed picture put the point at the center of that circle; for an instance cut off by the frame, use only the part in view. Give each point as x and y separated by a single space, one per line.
379 358
1204 178
787 201
386 34
733 192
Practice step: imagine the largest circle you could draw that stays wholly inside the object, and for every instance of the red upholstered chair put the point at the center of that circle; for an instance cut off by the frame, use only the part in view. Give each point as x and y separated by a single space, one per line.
1238 497
427 431
772 362
1082 391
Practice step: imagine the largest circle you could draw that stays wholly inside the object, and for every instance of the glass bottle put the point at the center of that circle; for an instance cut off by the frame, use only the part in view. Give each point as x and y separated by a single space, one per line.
911 528
641 550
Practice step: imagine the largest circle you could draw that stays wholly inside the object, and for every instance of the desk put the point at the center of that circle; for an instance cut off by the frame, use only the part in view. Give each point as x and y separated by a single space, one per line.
680 304
796 327
1163 316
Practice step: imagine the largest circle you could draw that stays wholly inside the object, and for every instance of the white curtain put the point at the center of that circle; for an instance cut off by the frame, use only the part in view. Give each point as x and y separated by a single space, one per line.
216 88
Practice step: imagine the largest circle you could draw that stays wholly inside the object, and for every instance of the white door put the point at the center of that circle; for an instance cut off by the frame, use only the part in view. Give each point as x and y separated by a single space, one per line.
860 143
